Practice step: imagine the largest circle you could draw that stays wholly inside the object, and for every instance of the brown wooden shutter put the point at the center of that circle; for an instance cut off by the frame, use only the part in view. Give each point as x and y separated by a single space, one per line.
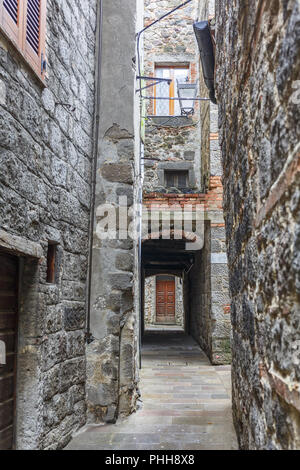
11 20
24 23
34 33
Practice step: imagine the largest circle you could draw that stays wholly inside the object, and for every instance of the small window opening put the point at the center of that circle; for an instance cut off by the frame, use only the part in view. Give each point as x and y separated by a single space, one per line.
51 263
176 179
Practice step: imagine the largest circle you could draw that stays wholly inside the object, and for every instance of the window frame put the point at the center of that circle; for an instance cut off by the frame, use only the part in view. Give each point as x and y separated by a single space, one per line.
12 30
16 34
172 85
51 276
175 174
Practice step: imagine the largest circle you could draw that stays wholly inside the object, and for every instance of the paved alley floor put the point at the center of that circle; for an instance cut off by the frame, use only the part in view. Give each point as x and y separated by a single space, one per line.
185 405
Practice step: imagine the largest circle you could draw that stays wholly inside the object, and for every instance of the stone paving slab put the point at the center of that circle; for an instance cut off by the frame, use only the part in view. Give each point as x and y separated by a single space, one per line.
185 404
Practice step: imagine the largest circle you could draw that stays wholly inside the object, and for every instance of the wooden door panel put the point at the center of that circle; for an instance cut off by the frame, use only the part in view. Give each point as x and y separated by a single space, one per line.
6 387
9 367
9 339
7 321
6 413
8 334
6 438
165 301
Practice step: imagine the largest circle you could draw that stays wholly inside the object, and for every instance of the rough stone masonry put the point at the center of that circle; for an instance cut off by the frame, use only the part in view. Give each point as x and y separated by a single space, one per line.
189 144
45 181
112 354
258 64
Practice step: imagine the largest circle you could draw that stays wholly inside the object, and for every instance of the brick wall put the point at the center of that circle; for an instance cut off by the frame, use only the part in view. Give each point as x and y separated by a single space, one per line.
209 310
211 201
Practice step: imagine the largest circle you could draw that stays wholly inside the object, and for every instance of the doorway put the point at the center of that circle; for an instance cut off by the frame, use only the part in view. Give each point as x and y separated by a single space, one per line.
9 272
165 300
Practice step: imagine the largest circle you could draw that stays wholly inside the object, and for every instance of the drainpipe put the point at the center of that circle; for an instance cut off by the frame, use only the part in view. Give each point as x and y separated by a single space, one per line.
89 337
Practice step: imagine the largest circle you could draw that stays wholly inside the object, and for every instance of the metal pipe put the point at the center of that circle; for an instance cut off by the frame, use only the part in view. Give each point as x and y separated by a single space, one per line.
140 160
164 16
154 78
89 337
174 99
149 26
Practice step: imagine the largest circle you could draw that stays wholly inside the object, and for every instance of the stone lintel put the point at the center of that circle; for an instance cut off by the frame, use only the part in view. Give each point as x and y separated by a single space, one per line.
20 246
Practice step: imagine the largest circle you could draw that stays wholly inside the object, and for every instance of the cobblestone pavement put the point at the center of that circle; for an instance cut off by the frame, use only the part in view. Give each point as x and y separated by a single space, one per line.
185 405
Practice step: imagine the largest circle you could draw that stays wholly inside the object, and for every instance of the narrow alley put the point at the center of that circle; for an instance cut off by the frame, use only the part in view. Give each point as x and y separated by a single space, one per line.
149 225
185 403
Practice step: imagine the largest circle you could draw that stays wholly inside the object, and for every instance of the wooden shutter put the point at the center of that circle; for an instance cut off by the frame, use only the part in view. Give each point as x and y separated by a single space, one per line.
182 179
11 20
177 179
24 23
34 34
170 182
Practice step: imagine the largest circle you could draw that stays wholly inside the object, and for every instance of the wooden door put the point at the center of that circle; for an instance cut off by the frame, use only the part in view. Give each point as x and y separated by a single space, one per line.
8 335
165 299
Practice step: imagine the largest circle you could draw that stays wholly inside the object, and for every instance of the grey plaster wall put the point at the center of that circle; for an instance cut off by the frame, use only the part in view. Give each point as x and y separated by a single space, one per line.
111 356
45 159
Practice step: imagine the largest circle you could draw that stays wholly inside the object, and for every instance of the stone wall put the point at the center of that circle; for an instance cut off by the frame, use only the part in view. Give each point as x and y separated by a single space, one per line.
258 65
175 141
209 319
150 301
112 373
46 154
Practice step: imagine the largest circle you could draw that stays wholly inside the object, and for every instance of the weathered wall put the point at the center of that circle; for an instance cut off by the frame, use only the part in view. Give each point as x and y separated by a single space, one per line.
207 295
258 63
111 356
200 297
176 141
150 300
209 318
45 154
179 145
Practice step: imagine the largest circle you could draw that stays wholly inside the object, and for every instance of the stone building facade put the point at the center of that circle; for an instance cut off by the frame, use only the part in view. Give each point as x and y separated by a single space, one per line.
46 148
175 143
73 154
170 144
258 64
63 161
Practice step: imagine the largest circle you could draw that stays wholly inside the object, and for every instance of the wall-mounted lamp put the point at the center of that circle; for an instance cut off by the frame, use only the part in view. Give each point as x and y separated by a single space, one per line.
187 94
206 48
